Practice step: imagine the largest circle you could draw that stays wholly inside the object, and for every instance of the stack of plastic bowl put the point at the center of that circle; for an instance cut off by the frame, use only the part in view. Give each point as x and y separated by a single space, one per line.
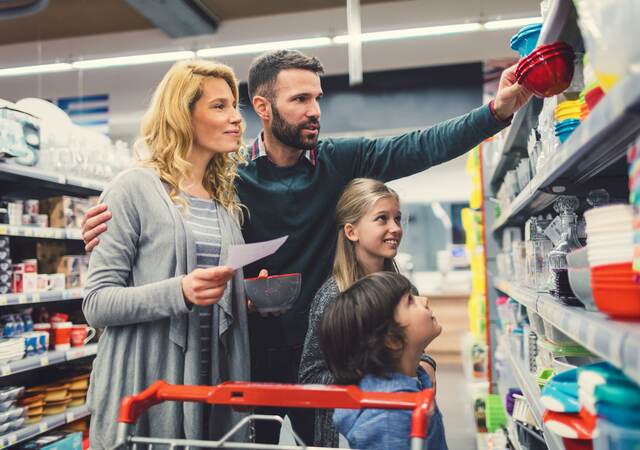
593 93
584 107
567 117
610 252
633 158
548 70
525 40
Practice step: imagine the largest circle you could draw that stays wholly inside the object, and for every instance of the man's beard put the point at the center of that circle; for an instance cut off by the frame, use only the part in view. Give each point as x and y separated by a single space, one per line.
292 135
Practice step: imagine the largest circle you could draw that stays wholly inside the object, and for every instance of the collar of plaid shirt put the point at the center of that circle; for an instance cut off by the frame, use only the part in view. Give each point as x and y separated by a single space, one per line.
259 150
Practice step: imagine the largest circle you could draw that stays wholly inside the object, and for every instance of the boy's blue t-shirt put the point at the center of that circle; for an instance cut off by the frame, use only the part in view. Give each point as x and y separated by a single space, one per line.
384 429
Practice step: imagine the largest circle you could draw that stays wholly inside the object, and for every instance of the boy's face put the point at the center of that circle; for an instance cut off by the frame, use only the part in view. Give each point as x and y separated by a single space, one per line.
420 325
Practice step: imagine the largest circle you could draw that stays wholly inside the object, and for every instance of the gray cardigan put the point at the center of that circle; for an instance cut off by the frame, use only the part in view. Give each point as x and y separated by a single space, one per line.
134 292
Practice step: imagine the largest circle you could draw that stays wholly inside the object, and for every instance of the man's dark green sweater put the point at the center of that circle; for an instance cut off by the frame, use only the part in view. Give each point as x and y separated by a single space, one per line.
300 201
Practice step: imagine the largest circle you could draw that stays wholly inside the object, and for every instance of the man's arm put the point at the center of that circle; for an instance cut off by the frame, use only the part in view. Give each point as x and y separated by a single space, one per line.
400 156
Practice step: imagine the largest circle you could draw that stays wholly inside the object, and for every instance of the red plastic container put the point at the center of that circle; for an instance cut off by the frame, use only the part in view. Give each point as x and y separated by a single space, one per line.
548 70
616 302
593 97
577 444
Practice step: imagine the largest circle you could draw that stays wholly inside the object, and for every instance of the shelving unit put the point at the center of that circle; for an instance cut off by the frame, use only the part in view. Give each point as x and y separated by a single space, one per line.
592 157
50 181
47 423
41 233
46 359
27 182
615 341
41 297
599 141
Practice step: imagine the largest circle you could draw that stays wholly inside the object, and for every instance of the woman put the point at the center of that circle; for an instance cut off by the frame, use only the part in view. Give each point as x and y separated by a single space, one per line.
158 286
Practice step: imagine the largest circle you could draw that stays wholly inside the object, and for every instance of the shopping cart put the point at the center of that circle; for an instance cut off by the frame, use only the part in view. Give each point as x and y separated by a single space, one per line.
246 396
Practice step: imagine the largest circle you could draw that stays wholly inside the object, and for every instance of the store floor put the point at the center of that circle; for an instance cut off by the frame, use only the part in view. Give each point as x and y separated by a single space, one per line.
455 406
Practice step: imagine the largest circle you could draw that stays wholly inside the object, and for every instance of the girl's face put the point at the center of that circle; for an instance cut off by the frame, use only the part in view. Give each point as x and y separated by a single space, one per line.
420 325
378 233
215 119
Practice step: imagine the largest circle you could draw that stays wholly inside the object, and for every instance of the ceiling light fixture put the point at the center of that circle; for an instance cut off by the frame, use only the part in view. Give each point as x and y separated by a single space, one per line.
31 70
511 23
132 60
412 32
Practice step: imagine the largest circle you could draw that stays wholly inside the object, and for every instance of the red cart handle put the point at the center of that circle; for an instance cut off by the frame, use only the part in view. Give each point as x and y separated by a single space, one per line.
242 394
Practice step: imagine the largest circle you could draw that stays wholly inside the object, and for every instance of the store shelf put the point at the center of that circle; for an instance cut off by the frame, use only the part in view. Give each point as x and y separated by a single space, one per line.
41 297
47 359
28 176
46 424
532 393
598 142
43 233
616 342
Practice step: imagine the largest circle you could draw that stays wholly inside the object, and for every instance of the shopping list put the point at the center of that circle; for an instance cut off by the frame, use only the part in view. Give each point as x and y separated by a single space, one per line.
241 255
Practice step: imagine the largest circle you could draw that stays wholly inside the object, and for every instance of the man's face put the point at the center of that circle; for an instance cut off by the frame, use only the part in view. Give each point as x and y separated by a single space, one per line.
296 108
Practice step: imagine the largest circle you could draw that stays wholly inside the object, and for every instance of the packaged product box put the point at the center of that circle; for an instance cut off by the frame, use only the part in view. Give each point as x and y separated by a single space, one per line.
49 254
56 441
75 267
59 210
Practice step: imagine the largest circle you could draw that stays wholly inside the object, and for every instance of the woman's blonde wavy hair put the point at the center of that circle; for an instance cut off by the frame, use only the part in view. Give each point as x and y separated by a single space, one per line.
167 133
356 200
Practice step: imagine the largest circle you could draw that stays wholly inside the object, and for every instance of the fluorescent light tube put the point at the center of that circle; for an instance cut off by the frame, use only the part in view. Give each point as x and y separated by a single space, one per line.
33 70
132 60
412 32
263 47
511 23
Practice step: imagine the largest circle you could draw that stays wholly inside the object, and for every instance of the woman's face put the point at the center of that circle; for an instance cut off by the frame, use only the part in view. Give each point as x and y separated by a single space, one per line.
378 233
215 119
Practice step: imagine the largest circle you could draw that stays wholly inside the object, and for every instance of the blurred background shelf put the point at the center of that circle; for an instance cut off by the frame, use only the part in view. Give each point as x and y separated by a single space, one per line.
47 359
46 424
38 232
41 297
28 180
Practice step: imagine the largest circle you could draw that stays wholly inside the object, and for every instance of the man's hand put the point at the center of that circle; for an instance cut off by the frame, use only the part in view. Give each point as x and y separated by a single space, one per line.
94 224
205 287
511 96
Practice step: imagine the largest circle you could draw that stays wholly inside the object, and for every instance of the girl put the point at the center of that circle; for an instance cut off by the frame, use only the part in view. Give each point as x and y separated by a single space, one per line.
158 286
374 335
369 232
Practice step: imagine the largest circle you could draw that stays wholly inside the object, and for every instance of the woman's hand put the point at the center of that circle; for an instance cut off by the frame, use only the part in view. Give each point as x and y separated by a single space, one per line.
204 287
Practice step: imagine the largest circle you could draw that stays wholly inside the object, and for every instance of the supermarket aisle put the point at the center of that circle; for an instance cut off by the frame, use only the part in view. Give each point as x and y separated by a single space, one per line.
455 407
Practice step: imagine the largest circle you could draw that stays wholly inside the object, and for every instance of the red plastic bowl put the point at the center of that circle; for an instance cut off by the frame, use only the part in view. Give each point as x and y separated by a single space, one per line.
524 63
549 77
617 303
625 268
540 59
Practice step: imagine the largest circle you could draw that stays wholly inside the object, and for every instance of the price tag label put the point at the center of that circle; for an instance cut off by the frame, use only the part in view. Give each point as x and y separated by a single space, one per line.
44 361
12 438
43 427
22 299
76 353
35 297
62 179
3 230
6 370
28 232
3 300
554 230
70 417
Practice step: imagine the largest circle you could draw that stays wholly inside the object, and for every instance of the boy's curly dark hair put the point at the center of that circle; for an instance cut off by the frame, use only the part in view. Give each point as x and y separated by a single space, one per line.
358 332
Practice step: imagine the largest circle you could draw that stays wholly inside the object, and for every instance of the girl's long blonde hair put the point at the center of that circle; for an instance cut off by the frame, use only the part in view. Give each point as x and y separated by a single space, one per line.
167 132
357 198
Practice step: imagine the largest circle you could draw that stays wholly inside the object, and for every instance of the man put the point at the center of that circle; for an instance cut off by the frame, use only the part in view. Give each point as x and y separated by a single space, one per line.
291 185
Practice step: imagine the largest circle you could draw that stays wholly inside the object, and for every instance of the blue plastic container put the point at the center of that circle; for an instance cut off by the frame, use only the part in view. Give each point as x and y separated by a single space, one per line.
525 40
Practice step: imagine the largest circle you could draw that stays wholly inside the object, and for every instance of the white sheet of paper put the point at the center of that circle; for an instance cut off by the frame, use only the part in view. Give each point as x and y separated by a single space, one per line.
241 255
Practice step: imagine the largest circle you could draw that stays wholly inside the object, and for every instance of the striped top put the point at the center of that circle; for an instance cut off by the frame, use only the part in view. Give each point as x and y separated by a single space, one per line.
202 219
